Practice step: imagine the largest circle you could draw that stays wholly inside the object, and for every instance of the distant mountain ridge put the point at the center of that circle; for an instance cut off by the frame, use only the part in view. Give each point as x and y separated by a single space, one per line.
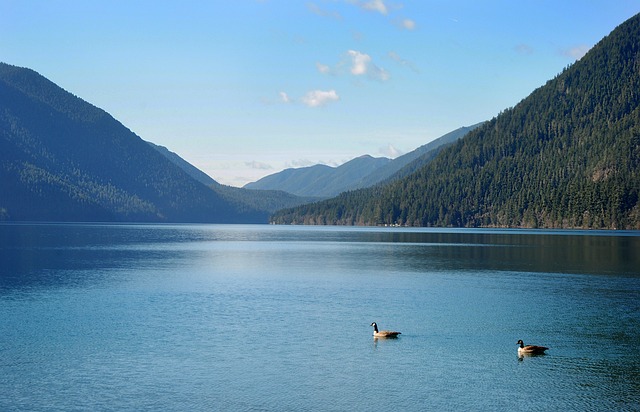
567 156
264 200
322 181
63 159
410 162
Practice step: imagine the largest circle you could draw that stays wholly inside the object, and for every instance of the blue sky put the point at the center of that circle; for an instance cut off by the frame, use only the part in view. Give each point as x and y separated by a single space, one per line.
246 88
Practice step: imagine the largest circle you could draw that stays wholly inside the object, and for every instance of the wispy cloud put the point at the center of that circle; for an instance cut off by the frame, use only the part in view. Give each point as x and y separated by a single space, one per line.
402 62
313 98
317 10
323 68
258 165
300 163
375 5
382 7
297 163
357 64
284 97
318 98
390 151
523 48
576 52
406 24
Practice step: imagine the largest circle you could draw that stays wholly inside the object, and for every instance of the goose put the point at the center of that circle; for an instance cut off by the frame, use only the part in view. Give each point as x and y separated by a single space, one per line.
383 333
530 349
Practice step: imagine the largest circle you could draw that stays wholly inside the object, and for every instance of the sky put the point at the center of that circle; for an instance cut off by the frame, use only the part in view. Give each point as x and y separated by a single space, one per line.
246 88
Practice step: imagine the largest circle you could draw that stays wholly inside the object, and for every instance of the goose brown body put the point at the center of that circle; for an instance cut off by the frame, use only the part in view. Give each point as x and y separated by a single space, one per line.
530 349
383 333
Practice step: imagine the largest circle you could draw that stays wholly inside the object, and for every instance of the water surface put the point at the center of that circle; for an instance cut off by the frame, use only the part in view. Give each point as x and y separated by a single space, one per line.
215 317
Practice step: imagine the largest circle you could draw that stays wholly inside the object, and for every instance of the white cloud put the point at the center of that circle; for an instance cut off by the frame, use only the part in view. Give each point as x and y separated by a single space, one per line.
313 98
361 64
576 52
389 151
356 63
317 98
375 5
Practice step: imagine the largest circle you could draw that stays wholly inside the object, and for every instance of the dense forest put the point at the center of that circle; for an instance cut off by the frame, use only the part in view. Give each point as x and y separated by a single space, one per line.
410 162
63 159
567 156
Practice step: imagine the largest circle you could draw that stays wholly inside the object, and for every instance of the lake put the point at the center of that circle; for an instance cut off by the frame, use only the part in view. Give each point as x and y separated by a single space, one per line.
277 318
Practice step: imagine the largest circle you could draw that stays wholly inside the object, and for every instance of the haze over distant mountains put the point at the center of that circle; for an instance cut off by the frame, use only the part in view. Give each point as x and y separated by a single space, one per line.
567 156
265 200
323 181
320 180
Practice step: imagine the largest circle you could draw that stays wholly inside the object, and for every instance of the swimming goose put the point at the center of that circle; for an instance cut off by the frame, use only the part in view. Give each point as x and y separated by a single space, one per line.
530 349
383 333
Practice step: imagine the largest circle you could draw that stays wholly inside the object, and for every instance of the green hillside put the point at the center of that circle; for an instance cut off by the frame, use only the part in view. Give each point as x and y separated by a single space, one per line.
410 162
63 159
567 156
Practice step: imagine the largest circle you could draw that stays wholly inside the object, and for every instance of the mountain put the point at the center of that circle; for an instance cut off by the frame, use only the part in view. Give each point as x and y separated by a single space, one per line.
187 167
269 201
321 181
410 162
265 200
63 159
567 156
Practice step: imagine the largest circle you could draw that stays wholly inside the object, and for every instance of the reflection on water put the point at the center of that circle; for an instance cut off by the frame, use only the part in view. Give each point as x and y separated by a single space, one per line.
522 356
32 252
214 317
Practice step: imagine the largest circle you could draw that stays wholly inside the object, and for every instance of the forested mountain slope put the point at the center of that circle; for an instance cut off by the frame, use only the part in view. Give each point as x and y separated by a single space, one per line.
410 162
63 159
566 156
190 169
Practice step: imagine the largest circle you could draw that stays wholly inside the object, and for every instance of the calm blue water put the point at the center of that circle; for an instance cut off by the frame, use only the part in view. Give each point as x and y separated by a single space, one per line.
261 318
